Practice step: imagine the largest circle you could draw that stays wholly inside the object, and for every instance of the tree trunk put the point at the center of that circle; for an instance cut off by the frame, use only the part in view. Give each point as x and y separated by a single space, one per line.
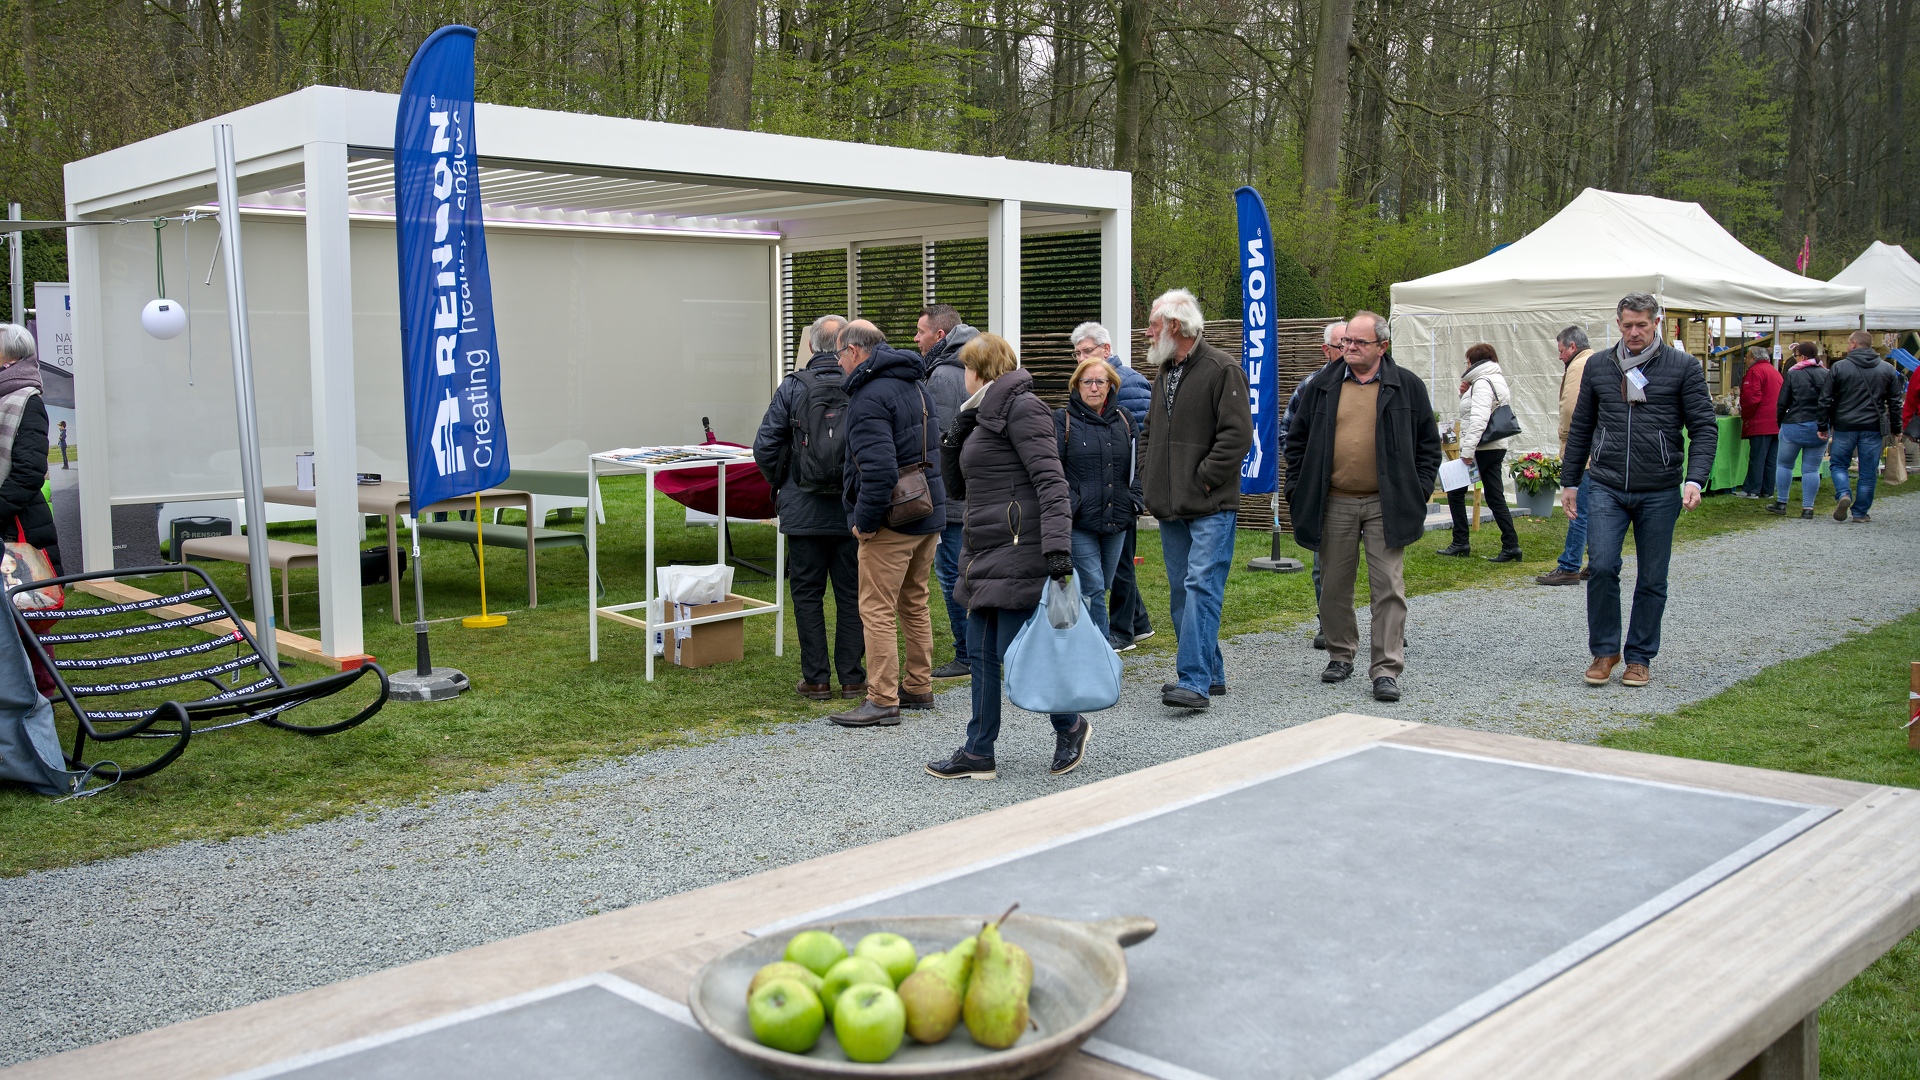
1797 196
1326 110
730 73
1893 183
1129 60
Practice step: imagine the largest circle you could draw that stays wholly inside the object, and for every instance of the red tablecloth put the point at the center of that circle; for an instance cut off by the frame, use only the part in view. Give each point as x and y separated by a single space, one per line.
748 495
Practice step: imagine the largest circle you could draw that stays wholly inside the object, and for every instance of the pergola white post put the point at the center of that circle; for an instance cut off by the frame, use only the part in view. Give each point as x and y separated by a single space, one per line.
330 367
1116 280
90 402
1003 270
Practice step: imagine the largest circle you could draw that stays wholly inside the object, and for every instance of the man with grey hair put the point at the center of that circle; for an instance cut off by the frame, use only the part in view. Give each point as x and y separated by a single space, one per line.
1574 351
1199 428
1332 341
1127 621
1637 398
939 334
800 449
1865 397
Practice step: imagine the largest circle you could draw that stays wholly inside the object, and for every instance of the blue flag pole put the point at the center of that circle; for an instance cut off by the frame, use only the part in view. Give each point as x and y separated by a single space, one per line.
1260 470
456 432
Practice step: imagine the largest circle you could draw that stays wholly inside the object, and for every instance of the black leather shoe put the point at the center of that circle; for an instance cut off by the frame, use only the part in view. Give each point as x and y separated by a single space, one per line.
1777 508
1179 697
1456 548
1506 555
867 714
1070 747
1385 689
1337 671
815 691
1218 689
953 669
961 765
911 700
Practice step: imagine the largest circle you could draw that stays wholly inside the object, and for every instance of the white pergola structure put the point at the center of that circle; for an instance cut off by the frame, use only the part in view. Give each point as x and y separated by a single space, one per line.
636 275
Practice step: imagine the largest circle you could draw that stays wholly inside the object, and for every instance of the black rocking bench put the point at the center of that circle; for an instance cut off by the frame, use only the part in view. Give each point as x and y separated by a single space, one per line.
173 654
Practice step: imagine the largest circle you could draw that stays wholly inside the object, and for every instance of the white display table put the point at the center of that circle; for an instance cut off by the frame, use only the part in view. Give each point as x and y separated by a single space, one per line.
650 460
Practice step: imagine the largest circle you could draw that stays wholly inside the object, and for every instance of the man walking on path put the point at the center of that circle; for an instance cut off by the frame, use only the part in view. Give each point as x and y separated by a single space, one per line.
1760 422
63 444
801 450
1199 427
1866 390
1574 351
1362 453
939 334
1636 398
891 429
1126 612
1331 343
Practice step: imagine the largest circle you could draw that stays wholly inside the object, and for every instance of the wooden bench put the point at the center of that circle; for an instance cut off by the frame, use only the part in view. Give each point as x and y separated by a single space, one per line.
282 555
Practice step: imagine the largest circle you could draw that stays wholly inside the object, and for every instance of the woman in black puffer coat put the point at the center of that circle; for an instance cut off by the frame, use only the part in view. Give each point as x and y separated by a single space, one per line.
1000 455
1096 440
23 508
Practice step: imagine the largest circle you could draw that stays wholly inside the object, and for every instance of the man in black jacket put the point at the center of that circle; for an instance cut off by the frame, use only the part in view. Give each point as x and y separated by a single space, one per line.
1636 398
814 521
892 428
939 335
1866 392
1362 452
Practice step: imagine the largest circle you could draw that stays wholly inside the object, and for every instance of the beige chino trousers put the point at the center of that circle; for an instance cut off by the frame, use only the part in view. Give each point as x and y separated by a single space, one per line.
1348 524
894 568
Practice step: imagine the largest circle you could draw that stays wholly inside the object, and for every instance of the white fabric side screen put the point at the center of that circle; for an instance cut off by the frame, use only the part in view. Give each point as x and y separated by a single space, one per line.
1435 348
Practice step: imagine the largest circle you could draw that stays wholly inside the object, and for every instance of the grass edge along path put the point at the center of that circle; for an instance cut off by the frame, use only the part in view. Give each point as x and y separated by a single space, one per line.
538 708
1834 713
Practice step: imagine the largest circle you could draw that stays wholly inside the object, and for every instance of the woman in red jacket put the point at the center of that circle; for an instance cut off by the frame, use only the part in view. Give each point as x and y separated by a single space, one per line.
1759 397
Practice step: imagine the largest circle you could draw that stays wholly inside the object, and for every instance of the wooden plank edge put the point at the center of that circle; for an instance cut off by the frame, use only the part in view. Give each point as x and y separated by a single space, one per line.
291 645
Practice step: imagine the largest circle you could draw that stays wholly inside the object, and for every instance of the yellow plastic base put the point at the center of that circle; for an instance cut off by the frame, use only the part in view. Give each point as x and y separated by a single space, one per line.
483 622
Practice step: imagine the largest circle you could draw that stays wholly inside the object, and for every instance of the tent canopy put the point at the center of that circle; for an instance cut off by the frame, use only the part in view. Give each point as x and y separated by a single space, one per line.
1891 278
1604 245
1570 272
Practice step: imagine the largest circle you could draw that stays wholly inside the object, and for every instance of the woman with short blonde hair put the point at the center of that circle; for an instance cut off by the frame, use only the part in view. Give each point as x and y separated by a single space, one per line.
988 356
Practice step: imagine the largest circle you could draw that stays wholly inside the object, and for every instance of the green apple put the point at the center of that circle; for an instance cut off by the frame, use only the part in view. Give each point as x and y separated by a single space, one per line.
784 969
869 1022
928 960
815 950
892 952
853 971
786 1016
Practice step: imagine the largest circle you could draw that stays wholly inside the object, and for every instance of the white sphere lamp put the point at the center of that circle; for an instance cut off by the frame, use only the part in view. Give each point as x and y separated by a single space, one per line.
164 318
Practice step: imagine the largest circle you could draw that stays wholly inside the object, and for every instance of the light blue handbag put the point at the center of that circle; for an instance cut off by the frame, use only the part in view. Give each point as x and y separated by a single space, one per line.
1060 662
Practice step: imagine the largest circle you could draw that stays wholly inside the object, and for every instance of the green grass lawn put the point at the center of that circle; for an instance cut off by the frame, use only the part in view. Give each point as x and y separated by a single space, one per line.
536 703
1836 713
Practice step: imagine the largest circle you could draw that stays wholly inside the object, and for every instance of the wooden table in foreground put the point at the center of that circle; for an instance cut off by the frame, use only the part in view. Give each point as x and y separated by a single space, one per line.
1727 983
390 500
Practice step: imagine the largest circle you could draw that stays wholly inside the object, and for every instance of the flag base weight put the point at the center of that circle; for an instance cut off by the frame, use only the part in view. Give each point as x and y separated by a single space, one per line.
1281 566
483 622
439 684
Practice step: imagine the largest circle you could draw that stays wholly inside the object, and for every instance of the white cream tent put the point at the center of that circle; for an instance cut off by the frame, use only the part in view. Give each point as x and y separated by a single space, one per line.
1892 280
1571 271
639 271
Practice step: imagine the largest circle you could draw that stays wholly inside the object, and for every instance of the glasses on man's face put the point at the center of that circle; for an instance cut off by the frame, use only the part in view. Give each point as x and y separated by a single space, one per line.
1085 351
1354 342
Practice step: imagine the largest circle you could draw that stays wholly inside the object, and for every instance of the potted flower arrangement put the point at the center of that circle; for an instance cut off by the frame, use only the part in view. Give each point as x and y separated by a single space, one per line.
1536 482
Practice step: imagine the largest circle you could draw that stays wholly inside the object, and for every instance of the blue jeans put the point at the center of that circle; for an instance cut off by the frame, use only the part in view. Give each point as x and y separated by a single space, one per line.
1199 554
1652 515
1760 454
1577 530
1802 441
991 632
1868 444
946 569
1095 558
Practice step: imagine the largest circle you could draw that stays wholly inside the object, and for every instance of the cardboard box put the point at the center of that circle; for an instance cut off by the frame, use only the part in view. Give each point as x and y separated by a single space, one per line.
708 643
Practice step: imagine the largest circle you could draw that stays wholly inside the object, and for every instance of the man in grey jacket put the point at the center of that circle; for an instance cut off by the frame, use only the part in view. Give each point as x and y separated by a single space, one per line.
1865 394
939 335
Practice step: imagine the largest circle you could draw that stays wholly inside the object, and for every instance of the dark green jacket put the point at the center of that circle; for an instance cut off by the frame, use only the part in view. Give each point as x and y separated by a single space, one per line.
1190 459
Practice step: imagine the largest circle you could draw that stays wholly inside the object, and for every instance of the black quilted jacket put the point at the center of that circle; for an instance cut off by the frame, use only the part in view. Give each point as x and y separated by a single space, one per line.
1638 447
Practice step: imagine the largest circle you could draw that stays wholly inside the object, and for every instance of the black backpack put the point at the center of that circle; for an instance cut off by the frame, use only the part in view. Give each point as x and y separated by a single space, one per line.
820 432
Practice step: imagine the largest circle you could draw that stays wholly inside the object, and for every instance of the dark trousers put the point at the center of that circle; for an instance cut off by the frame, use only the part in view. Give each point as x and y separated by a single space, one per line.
1126 612
1760 451
811 562
990 632
1609 513
1496 492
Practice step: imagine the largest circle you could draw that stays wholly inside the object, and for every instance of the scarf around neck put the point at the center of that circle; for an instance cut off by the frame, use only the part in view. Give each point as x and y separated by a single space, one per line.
1634 394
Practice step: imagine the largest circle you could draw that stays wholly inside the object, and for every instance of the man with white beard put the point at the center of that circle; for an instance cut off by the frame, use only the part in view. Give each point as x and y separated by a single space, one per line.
1198 429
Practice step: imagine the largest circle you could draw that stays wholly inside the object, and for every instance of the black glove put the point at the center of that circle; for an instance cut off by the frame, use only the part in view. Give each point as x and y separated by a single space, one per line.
1060 566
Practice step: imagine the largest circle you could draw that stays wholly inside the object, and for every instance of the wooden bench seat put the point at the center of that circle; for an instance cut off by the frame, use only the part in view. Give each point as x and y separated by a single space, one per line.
282 555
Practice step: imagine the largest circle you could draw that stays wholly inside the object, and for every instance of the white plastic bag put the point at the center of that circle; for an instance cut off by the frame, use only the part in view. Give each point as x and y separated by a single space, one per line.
695 584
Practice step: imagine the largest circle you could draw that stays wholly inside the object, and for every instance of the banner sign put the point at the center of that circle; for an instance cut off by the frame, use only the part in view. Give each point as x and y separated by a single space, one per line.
1259 472
456 440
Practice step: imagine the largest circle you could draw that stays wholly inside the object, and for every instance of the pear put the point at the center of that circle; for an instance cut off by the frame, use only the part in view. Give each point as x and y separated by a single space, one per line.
935 992
995 1009
784 969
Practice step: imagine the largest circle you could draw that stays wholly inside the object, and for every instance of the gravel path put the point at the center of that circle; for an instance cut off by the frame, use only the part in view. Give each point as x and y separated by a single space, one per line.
200 927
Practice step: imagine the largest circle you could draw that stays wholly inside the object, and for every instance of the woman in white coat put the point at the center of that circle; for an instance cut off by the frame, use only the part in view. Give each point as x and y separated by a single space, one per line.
1482 389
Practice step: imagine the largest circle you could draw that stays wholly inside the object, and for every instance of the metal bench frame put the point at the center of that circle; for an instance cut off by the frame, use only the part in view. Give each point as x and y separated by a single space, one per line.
266 700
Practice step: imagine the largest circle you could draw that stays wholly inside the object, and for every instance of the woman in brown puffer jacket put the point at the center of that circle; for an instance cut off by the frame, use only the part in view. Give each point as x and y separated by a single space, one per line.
1002 457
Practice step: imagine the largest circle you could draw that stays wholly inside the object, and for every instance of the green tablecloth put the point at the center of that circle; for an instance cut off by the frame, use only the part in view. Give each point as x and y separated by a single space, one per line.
1730 457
